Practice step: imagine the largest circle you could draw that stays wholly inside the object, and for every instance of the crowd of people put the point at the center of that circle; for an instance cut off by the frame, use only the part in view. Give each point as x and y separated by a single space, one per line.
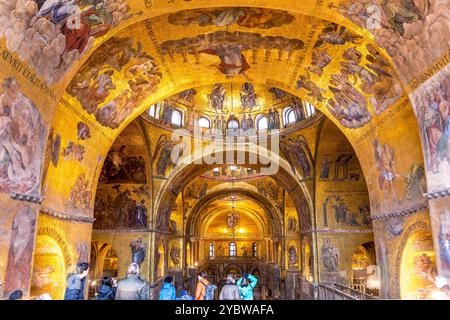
134 287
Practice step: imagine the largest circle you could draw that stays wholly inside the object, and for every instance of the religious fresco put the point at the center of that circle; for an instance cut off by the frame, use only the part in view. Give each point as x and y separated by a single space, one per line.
175 255
365 77
413 181
297 153
342 195
120 167
271 190
167 153
80 196
120 206
120 59
229 48
48 268
52 153
18 270
251 18
337 207
226 173
403 29
418 267
51 37
22 140
432 106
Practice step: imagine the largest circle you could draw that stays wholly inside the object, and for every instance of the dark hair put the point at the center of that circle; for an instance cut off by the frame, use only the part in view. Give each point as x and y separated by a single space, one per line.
107 281
203 274
82 266
16 295
168 279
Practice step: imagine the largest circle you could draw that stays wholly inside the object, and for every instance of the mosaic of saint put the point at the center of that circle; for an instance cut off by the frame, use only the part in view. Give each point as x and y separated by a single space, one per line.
22 140
229 47
94 84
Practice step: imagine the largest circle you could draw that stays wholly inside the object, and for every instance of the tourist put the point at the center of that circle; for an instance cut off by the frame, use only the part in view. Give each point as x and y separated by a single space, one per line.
205 290
230 290
76 282
246 285
168 291
132 287
185 296
106 290
16 295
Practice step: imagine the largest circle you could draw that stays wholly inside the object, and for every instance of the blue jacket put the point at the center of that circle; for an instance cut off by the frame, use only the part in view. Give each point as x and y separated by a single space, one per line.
75 287
247 292
168 292
105 293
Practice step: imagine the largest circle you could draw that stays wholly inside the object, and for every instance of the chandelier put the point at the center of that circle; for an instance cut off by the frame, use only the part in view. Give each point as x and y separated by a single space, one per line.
233 216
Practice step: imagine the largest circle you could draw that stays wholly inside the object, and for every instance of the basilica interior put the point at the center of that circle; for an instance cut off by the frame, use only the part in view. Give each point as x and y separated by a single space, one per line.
303 142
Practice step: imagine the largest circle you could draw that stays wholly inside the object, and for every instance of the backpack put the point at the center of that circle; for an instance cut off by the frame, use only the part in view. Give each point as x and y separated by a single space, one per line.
209 291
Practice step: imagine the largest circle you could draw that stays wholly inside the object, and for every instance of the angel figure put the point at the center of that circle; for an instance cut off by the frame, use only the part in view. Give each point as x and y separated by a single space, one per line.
168 153
297 153
384 156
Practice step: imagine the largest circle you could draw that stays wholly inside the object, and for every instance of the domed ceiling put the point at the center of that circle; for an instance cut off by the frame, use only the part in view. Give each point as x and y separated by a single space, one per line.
234 49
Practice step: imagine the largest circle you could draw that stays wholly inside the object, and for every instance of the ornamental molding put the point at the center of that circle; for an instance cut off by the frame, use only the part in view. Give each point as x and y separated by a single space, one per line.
435 194
65 216
26 197
123 230
337 231
400 213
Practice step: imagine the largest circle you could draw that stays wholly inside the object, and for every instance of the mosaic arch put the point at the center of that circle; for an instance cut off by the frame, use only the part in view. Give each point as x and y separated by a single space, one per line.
366 78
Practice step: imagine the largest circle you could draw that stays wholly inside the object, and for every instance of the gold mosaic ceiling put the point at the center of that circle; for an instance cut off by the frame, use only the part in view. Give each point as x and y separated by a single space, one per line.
315 59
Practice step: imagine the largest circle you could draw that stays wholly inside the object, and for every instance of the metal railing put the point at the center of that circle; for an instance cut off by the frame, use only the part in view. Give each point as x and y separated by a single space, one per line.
334 291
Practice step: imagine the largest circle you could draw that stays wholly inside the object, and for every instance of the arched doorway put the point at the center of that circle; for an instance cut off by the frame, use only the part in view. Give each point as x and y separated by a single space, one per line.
49 269
418 267
110 264
362 258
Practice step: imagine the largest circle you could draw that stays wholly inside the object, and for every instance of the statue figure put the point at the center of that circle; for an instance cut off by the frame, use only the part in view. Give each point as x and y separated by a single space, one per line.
330 256
244 250
175 256
137 251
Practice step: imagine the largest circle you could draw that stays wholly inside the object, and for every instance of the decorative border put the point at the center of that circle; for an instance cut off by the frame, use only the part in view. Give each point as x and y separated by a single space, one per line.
130 231
442 193
65 216
401 213
26 197
337 231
